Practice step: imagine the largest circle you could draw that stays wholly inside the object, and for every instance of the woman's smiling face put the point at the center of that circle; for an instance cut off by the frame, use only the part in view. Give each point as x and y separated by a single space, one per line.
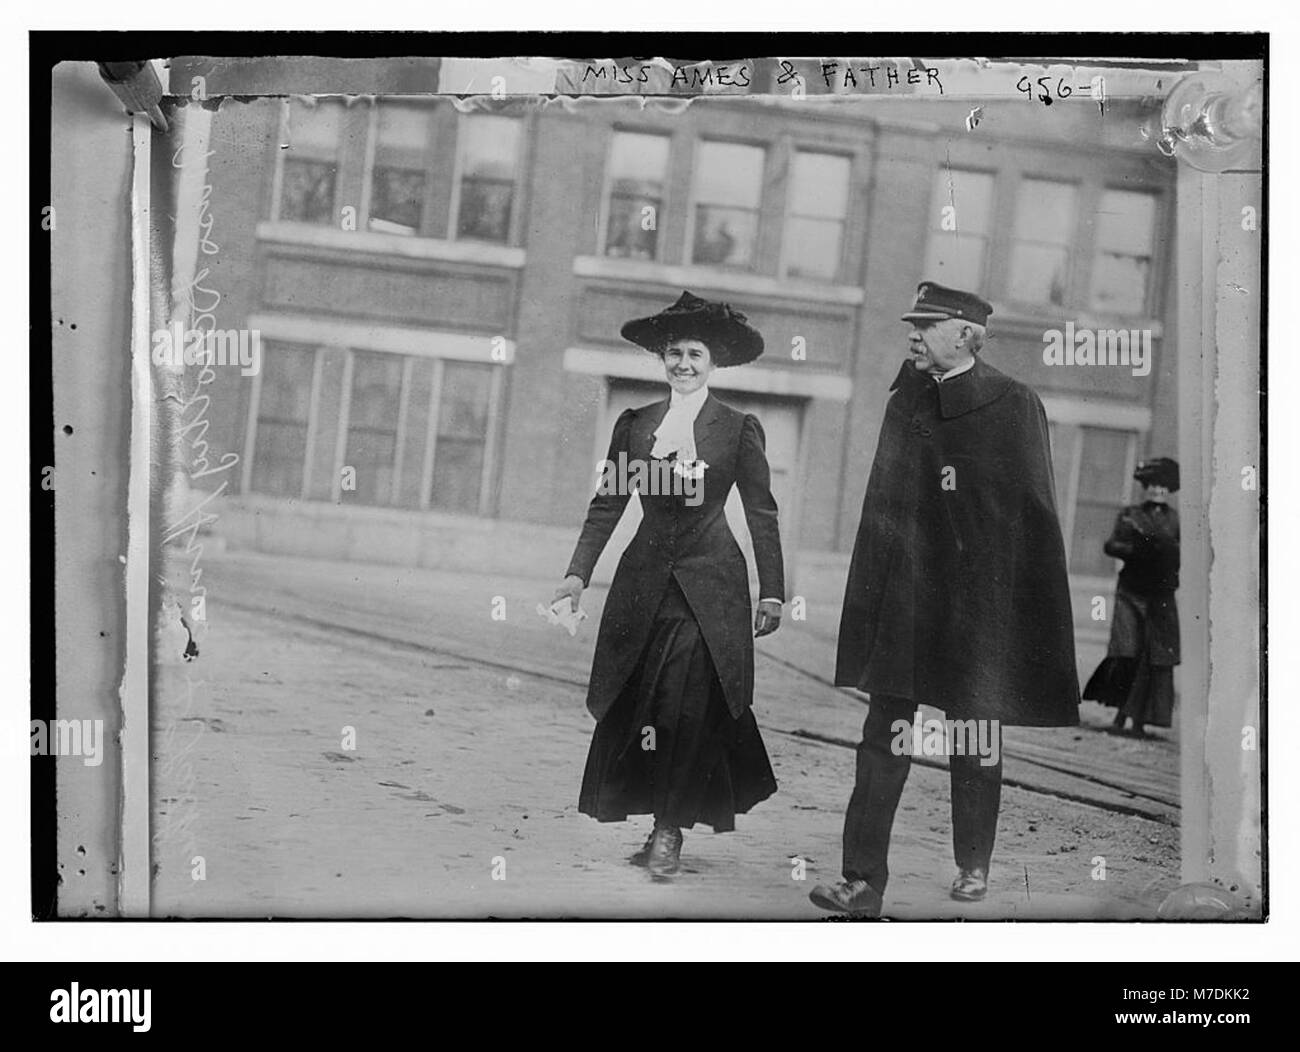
687 364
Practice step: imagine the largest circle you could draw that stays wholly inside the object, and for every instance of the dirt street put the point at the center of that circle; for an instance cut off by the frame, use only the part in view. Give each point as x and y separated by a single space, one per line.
367 741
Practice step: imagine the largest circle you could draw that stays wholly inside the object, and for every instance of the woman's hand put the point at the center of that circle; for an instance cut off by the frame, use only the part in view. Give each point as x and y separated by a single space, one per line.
767 619
572 587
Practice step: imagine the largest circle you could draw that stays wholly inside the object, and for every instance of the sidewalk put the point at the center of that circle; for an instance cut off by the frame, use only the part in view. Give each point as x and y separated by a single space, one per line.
470 735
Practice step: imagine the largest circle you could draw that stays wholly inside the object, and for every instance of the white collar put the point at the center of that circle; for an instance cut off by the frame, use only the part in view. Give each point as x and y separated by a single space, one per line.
956 370
676 432
690 404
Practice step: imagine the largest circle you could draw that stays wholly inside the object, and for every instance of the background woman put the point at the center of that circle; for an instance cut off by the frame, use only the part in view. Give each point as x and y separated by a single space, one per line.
673 673
1137 676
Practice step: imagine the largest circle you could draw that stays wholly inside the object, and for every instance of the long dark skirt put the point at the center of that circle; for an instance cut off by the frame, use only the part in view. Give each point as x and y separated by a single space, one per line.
669 746
1140 690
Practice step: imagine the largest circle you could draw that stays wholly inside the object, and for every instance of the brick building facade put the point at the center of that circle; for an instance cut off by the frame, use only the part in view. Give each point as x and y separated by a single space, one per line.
439 287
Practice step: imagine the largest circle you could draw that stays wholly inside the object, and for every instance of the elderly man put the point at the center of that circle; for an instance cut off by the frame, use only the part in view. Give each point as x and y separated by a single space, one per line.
957 596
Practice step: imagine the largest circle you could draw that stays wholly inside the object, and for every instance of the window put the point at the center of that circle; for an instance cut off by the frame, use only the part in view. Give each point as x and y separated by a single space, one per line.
1092 466
461 443
397 180
962 222
1103 482
814 225
637 166
372 425
1043 234
1121 268
728 190
489 160
282 419
311 162
416 433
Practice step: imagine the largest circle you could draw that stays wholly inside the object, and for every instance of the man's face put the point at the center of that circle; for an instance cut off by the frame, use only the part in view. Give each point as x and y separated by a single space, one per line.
688 364
937 346
1159 494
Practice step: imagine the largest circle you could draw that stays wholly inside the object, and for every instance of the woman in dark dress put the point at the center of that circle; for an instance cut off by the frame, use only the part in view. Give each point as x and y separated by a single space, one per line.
672 677
1137 676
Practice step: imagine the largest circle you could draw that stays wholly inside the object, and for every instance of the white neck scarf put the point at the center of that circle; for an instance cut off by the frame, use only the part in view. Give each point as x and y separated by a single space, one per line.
676 432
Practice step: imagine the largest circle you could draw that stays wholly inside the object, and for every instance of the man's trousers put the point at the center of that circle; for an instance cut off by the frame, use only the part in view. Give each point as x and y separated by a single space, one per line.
881 775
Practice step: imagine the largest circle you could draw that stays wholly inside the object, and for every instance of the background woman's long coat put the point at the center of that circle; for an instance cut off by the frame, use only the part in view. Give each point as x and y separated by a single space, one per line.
957 594
1145 618
693 544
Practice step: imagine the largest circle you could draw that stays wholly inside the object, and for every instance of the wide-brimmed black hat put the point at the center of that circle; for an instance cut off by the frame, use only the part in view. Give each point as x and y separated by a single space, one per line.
1158 471
728 334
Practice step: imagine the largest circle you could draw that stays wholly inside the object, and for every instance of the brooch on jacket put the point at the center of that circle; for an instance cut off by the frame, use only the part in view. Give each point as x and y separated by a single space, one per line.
689 469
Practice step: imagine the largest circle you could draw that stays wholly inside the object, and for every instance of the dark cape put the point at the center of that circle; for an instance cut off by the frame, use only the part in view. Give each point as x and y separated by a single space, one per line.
957 595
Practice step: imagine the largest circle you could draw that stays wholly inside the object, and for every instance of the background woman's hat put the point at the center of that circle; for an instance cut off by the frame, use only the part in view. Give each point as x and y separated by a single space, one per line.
730 337
1158 471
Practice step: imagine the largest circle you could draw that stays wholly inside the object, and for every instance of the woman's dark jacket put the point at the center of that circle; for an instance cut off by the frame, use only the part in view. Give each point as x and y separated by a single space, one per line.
692 544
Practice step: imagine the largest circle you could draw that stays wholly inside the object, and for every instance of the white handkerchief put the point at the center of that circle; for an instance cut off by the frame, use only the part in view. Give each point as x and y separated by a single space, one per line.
561 613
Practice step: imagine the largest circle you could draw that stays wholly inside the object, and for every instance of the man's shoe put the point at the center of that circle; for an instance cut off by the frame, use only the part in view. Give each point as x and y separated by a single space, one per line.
971 885
848 896
642 856
665 851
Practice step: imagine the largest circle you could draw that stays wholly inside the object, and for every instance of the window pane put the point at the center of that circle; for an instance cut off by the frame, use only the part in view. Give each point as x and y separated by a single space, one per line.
1101 472
457 473
281 440
310 164
637 163
1126 222
1044 231
372 425
1121 268
729 173
820 185
1092 525
466 389
308 191
956 260
396 200
462 436
812 248
402 135
1045 212
490 146
489 157
637 166
314 129
724 236
485 210
1102 484
1119 284
970 195
1039 273
958 238
633 227
398 176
